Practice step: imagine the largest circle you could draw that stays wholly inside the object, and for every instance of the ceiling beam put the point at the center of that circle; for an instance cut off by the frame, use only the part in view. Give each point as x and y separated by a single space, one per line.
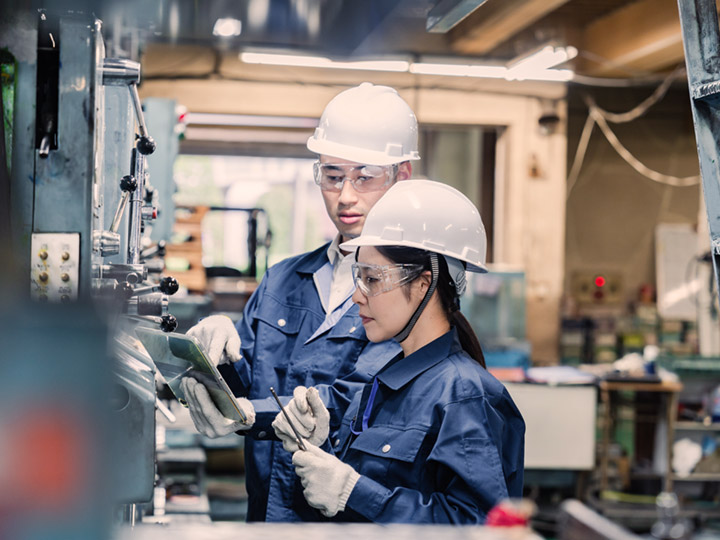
496 21
641 37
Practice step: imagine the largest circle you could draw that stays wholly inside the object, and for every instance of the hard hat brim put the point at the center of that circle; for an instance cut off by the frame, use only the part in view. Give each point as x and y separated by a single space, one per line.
358 155
375 241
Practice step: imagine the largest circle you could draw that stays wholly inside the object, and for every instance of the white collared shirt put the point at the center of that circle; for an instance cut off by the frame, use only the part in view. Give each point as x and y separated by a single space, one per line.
342 282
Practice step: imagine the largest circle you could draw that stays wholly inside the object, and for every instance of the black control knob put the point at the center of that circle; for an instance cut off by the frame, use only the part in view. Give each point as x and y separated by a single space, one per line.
128 183
169 323
146 145
169 285
161 248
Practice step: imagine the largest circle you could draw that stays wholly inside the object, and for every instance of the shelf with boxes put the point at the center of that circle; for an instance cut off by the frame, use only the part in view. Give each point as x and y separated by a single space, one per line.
183 258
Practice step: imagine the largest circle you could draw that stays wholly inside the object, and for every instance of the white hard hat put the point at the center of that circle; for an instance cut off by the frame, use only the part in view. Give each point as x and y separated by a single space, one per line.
367 124
426 215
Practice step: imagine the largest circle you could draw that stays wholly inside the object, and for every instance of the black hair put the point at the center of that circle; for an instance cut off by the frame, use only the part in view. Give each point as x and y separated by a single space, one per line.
446 291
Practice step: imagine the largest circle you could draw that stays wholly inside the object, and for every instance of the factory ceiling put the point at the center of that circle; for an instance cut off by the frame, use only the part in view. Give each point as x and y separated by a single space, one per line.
614 38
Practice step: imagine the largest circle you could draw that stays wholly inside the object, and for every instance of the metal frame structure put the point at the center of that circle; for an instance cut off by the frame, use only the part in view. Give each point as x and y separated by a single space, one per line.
701 40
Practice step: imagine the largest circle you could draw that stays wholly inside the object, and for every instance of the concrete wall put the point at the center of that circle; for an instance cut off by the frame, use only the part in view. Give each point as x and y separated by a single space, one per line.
612 210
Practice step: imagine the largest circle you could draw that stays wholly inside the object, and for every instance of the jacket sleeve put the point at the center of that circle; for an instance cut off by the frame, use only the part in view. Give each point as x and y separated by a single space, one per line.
336 396
465 465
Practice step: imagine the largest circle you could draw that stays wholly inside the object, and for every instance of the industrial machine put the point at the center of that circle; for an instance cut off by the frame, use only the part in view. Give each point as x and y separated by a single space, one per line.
80 199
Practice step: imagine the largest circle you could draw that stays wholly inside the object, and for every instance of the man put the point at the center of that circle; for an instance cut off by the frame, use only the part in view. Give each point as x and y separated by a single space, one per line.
300 328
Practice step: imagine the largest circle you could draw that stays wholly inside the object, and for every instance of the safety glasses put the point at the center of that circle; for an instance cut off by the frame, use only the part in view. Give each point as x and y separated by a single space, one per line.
332 176
373 279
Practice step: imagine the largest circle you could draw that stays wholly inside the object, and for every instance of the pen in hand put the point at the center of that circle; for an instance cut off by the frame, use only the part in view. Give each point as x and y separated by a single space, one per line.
287 417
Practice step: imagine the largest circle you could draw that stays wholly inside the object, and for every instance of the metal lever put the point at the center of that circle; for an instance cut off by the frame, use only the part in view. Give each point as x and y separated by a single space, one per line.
168 285
146 144
128 185
123 72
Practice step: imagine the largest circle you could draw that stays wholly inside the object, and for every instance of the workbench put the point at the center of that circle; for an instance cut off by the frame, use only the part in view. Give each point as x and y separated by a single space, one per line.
669 391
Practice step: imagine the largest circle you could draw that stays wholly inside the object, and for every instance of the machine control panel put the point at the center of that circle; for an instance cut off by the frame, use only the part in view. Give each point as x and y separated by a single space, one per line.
55 266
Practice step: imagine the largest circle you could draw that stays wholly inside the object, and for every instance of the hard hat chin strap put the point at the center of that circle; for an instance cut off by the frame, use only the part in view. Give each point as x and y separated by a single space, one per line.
435 268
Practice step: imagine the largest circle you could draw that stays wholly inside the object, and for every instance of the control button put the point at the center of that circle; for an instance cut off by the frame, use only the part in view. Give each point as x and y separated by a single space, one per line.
64 298
43 276
43 254
65 256
65 276
385 449
282 322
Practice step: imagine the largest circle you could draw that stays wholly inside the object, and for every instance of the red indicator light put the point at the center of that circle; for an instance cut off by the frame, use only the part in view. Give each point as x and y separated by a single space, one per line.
599 281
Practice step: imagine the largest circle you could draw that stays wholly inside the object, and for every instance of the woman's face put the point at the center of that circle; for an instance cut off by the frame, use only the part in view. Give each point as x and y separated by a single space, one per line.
386 314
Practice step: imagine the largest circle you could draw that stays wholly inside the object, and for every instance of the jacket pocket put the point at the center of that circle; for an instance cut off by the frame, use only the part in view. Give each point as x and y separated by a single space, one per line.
390 443
280 317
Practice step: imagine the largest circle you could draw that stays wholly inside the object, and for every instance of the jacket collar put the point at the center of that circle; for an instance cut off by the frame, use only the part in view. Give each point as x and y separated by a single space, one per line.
314 260
401 371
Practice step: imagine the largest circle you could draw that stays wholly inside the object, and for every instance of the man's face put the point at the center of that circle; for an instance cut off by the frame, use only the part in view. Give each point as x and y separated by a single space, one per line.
348 207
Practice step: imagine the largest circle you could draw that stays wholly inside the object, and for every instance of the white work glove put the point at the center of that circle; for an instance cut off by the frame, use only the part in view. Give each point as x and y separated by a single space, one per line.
308 415
205 415
219 338
328 481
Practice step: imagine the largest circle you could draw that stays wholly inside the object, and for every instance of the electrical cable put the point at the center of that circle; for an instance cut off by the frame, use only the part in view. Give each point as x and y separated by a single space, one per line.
580 153
635 163
599 116
639 110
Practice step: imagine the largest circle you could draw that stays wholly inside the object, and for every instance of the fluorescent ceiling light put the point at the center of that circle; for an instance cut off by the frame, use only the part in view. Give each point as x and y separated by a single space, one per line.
227 27
322 62
490 72
248 120
458 70
542 60
534 67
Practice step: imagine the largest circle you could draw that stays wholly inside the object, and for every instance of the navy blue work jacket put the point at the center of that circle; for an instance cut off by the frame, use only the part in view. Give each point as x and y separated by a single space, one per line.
444 442
282 348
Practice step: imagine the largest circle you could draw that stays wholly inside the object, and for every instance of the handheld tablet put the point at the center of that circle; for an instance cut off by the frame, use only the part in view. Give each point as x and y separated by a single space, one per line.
177 356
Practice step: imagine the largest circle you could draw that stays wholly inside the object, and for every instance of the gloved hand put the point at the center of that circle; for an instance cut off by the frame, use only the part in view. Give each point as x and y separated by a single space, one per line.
328 481
219 339
308 415
205 415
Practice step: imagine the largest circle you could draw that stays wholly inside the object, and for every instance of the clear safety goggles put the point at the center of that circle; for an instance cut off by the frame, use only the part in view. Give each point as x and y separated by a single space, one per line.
373 279
332 176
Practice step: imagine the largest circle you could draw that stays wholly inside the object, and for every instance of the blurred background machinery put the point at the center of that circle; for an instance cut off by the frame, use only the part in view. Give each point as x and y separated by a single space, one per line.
81 211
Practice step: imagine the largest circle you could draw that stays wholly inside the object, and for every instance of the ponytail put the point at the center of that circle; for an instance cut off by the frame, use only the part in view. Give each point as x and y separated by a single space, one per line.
451 305
468 339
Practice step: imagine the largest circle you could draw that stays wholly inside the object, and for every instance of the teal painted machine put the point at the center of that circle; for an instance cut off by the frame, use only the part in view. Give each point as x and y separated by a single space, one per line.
80 201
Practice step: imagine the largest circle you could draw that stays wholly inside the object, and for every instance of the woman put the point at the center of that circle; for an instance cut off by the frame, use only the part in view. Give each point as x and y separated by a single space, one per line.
435 438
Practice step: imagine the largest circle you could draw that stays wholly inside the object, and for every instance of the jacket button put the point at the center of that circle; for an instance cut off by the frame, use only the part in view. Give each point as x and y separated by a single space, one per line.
352 330
261 435
337 443
282 322
385 449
